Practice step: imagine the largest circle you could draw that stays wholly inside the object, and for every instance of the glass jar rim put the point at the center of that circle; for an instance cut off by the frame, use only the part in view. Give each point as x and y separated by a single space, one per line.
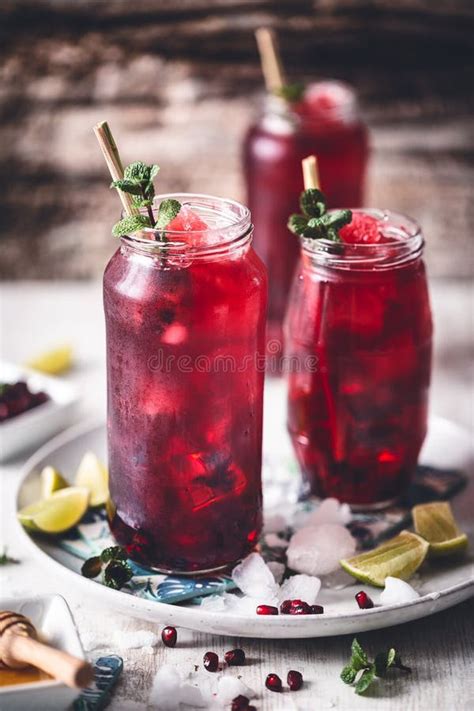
370 255
346 108
233 231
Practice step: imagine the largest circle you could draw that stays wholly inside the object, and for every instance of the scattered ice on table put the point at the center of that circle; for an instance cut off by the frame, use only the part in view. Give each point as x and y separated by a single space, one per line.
191 695
274 523
301 587
255 579
165 692
229 687
136 639
317 550
397 591
278 570
274 541
330 511
213 603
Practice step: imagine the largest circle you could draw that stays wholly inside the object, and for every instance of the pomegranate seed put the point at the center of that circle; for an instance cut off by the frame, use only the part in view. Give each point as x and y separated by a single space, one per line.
316 609
240 703
285 607
299 607
169 636
273 682
211 661
363 600
267 610
235 657
295 680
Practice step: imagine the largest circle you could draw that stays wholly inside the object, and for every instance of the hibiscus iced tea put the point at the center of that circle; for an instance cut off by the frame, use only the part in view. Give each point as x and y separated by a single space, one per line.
360 312
326 123
185 320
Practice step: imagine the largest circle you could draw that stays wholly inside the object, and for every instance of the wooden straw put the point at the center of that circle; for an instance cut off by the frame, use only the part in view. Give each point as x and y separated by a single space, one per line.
272 68
112 158
310 172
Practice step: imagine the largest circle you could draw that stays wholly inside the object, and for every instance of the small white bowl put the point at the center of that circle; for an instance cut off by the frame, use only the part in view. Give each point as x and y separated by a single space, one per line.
35 426
54 623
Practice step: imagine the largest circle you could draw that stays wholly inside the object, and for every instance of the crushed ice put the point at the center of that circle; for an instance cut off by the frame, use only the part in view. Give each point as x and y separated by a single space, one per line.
397 591
317 550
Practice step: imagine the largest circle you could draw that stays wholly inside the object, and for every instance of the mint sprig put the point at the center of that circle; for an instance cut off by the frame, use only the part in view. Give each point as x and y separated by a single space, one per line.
360 662
5 559
138 181
112 563
291 92
315 222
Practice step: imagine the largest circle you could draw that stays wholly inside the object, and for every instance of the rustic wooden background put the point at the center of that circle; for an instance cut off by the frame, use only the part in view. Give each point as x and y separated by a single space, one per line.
179 81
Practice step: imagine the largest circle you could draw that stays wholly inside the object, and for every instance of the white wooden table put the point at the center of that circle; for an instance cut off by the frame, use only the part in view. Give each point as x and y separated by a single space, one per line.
440 648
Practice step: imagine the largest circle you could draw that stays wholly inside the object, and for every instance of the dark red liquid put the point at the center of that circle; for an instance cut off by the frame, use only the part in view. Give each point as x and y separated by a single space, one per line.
357 414
184 428
273 152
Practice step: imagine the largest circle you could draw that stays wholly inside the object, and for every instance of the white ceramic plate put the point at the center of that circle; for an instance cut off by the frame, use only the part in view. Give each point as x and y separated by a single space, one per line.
35 426
447 445
54 623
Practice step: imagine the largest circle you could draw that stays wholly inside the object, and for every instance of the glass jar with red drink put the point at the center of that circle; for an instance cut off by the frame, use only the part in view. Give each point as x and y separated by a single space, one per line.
358 338
326 122
185 317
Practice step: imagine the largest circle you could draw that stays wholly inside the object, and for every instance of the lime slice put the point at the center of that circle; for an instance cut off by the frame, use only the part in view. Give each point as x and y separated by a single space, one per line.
58 513
93 475
436 523
398 557
53 362
51 481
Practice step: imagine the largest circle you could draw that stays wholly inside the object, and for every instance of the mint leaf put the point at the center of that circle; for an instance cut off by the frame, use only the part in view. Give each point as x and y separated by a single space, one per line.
92 567
297 224
291 92
365 680
127 186
359 658
5 559
113 553
117 573
167 211
348 674
312 203
138 172
130 224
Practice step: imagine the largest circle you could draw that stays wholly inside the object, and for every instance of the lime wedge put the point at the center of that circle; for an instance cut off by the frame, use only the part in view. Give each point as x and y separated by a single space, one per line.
53 362
58 513
398 557
436 523
51 481
94 476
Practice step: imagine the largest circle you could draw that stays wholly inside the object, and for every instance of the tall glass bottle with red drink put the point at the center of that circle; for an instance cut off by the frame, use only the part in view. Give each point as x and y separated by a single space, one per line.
185 316
358 339
325 122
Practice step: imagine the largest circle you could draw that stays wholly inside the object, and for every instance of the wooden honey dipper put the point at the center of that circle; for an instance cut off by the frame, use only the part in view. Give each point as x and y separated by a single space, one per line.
20 648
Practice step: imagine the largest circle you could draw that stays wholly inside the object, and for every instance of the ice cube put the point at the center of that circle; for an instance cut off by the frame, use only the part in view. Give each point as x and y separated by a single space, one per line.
245 605
397 591
274 541
213 603
317 550
255 579
278 570
330 511
136 639
229 687
165 692
191 695
301 587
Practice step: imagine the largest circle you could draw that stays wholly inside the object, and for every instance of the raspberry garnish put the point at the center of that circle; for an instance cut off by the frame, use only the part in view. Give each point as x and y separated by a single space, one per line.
363 229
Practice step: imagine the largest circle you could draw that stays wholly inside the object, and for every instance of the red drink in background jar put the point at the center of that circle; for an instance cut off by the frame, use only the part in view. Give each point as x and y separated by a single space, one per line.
327 123
185 324
359 332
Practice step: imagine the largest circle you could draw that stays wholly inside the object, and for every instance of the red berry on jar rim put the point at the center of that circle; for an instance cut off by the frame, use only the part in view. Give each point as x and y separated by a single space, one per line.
295 680
363 229
235 657
273 682
267 610
169 636
211 661
363 600
240 703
